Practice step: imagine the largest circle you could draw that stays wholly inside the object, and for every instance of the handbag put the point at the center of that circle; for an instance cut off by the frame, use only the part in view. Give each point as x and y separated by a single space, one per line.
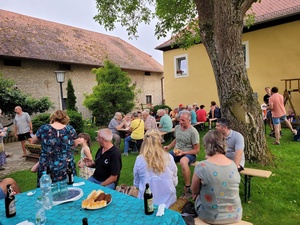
128 190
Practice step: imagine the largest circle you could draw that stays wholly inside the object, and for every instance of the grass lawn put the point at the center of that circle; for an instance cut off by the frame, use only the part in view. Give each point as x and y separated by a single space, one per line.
273 201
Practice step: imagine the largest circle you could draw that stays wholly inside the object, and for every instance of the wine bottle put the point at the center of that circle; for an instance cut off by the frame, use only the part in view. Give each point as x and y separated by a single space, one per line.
70 174
85 221
10 205
148 201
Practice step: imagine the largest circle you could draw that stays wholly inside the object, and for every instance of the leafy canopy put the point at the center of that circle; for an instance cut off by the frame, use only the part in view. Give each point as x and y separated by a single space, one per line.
113 93
11 97
173 17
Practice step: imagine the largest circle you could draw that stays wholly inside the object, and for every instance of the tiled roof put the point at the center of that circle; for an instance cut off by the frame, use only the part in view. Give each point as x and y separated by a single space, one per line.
265 11
28 37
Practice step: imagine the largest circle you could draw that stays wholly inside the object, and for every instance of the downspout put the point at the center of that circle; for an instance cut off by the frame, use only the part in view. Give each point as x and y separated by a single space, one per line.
162 90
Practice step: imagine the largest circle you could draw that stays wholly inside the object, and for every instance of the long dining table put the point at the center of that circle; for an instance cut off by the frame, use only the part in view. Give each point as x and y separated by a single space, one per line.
123 209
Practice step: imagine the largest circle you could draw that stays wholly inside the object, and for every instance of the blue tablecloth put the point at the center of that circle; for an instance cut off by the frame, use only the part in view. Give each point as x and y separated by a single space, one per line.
123 209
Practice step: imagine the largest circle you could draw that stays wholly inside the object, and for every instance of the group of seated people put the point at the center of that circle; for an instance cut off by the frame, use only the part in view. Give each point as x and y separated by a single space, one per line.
197 114
156 164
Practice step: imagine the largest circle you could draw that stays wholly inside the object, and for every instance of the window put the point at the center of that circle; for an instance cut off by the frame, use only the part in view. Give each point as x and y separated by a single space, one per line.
181 66
64 67
147 73
246 53
12 62
148 99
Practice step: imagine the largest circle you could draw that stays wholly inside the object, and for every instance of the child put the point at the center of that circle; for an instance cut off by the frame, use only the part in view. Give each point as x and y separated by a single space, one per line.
84 140
2 152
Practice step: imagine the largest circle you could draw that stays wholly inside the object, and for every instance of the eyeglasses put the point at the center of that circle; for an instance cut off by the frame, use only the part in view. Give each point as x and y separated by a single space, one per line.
97 139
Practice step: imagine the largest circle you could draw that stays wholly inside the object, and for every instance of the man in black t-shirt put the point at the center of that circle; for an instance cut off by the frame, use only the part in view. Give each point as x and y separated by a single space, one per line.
107 162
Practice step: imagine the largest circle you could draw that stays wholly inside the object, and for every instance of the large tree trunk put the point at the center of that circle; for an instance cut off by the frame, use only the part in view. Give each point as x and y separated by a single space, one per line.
221 25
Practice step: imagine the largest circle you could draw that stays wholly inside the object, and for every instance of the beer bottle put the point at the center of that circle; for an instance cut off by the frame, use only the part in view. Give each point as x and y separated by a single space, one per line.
70 174
10 206
148 201
85 221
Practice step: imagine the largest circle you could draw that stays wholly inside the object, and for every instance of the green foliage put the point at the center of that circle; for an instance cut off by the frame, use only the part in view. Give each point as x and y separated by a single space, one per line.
113 93
76 120
71 98
12 97
157 107
40 120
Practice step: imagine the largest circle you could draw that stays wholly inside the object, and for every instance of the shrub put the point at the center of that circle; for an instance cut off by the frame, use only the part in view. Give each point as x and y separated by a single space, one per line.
157 107
76 121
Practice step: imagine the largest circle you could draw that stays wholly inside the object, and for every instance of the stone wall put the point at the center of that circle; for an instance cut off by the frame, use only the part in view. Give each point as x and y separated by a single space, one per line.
37 78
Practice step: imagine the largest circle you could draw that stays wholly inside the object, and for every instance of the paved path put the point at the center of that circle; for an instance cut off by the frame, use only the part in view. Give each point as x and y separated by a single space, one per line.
15 162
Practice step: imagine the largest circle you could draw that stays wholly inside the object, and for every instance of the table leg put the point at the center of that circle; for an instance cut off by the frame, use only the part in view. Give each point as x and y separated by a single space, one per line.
246 188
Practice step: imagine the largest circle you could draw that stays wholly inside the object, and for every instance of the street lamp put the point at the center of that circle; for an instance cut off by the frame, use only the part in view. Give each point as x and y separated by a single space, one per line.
60 78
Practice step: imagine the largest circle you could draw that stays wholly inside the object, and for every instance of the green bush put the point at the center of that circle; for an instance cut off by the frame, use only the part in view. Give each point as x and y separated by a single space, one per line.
76 120
40 120
157 107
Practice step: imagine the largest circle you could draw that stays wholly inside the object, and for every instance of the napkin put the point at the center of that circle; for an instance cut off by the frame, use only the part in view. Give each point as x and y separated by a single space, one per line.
161 210
26 222
78 184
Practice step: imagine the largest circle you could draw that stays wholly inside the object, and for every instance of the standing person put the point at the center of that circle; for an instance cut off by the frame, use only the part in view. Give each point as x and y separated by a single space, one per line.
186 147
269 113
115 124
107 162
276 105
84 140
137 129
235 143
156 167
57 140
22 127
201 114
215 184
2 151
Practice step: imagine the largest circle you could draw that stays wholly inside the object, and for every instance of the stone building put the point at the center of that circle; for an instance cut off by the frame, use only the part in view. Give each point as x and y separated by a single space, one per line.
32 49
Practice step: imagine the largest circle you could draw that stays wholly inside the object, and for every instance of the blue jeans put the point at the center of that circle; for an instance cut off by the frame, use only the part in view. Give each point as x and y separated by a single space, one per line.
127 143
111 186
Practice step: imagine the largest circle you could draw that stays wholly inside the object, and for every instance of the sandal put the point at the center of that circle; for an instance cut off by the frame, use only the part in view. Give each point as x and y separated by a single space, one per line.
276 143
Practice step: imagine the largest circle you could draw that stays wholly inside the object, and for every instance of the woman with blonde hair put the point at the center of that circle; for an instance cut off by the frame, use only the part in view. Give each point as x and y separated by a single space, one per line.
156 166
57 140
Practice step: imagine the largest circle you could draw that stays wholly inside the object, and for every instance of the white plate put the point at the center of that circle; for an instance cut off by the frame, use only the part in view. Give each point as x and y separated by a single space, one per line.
78 193
101 206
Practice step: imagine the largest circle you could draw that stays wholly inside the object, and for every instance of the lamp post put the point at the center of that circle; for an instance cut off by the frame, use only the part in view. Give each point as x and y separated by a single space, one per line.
60 78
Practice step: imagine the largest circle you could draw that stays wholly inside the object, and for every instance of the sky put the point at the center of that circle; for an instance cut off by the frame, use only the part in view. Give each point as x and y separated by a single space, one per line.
80 13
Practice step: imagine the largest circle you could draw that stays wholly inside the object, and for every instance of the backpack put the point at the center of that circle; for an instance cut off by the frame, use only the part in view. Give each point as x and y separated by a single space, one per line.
217 112
297 136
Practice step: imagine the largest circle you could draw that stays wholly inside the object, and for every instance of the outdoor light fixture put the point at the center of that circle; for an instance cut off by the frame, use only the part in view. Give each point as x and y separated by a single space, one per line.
60 78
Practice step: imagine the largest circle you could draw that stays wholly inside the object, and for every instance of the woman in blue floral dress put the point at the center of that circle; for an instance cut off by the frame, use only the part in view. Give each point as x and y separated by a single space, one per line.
57 140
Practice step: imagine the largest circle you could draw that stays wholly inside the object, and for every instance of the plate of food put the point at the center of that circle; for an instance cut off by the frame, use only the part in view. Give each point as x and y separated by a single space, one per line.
96 200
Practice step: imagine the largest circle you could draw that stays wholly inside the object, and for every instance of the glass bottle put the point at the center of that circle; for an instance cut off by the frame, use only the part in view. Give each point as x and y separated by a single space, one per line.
148 201
10 203
40 216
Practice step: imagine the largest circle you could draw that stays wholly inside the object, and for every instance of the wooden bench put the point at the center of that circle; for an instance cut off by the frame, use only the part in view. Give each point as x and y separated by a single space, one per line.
167 135
35 151
248 174
199 126
198 221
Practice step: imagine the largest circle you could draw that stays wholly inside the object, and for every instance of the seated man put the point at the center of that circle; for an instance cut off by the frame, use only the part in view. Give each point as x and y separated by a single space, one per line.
193 114
137 129
3 187
186 146
165 124
173 115
149 121
115 124
201 114
107 162
235 143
